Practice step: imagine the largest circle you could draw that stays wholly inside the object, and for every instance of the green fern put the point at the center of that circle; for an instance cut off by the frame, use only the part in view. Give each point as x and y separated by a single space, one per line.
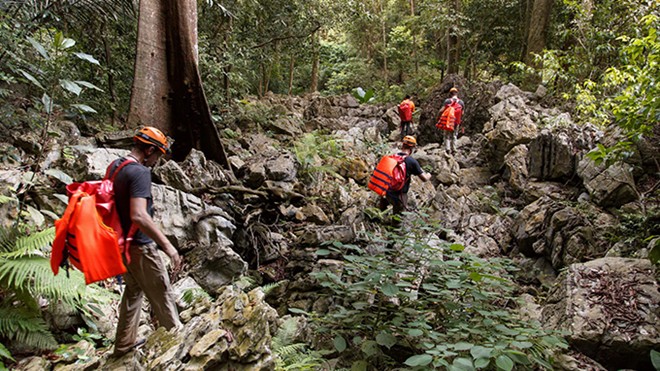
271 286
294 356
4 353
191 295
26 327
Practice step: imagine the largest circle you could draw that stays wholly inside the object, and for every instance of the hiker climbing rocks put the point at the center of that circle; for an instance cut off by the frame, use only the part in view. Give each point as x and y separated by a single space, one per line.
146 274
406 110
450 120
391 179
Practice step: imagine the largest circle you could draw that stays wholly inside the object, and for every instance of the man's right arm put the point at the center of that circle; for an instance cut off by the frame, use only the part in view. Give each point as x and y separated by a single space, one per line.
141 218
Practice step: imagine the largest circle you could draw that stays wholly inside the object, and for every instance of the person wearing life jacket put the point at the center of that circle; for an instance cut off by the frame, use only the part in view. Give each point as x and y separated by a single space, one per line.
399 199
450 136
406 109
146 274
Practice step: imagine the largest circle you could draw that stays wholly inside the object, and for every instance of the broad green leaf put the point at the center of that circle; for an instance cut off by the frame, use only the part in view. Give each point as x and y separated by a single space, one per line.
419 360
40 48
655 359
71 86
87 58
463 364
389 289
360 365
47 102
456 247
654 254
479 351
522 344
414 332
67 43
36 215
340 343
32 79
84 108
463 346
481 362
369 348
504 363
88 85
385 339
59 175
322 252
476 277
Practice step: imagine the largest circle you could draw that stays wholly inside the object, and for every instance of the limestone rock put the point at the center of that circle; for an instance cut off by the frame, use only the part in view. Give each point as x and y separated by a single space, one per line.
551 156
608 187
282 168
610 307
195 173
515 167
89 163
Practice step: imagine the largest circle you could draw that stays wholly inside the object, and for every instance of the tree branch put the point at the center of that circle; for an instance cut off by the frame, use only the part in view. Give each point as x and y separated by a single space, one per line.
275 39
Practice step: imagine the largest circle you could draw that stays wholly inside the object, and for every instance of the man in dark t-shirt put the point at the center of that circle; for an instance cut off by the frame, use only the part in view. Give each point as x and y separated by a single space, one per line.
399 199
146 274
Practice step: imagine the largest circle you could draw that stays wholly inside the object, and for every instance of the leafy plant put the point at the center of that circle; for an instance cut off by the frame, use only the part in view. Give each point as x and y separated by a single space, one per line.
313 152
410 300
83 335
290 355
363 96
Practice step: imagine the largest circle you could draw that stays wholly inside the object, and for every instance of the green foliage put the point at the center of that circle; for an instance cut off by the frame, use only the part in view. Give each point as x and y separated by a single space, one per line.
83 335
432 304
25 276
363 96
655 359
313 151
194 294
636 230
290 355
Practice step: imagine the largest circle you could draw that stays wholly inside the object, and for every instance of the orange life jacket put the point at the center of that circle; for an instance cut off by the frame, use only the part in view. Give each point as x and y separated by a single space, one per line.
389 175
89 234
406 109
447 119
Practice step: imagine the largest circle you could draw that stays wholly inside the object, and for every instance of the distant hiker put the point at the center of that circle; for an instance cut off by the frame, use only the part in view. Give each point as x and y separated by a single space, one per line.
450 120
398 197
146 274
406 110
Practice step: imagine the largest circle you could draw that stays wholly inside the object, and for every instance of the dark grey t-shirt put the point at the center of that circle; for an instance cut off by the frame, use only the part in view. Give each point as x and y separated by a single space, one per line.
133 181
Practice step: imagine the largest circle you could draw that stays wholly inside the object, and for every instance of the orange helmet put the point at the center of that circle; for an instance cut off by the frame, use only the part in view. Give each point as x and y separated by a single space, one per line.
453 90
409 140
153 136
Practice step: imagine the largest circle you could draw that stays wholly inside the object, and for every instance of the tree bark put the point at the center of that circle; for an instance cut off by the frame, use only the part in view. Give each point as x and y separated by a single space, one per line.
453 44
539 22
314 87
111 78
167 90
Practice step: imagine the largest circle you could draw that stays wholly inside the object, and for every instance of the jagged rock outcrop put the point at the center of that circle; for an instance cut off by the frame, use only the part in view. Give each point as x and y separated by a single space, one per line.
610 308
610 186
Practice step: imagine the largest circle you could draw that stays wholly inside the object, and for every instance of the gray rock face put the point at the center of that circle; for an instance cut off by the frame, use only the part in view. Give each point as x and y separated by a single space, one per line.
515 167
551 156
282 168
90 163
608 187
563 234
193 174
610 308
202 343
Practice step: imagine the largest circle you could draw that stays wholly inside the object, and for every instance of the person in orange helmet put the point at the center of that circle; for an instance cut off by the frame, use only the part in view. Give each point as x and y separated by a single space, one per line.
146 274
399 199
450 137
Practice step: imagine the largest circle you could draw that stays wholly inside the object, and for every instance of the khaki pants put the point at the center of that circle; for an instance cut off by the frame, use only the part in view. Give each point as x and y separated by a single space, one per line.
146 275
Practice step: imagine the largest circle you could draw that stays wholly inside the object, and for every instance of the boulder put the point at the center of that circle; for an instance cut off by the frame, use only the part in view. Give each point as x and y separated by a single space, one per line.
282 168
216 265
551 156
515 167
89 163
315 236
610 309
192 175
610 186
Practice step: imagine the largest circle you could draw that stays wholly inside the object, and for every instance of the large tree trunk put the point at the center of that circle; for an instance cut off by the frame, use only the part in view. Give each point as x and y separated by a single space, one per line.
453 44
314 87
539 21
167 90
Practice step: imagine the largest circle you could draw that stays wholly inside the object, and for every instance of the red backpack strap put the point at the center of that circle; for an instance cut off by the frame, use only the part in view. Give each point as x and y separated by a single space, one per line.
110 174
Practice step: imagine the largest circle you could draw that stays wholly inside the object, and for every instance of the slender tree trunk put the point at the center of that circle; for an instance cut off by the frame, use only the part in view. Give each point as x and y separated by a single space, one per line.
538 28
291 67
111 78
315 62
453 44
150 93
414 46
226 70
383 27
167 89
